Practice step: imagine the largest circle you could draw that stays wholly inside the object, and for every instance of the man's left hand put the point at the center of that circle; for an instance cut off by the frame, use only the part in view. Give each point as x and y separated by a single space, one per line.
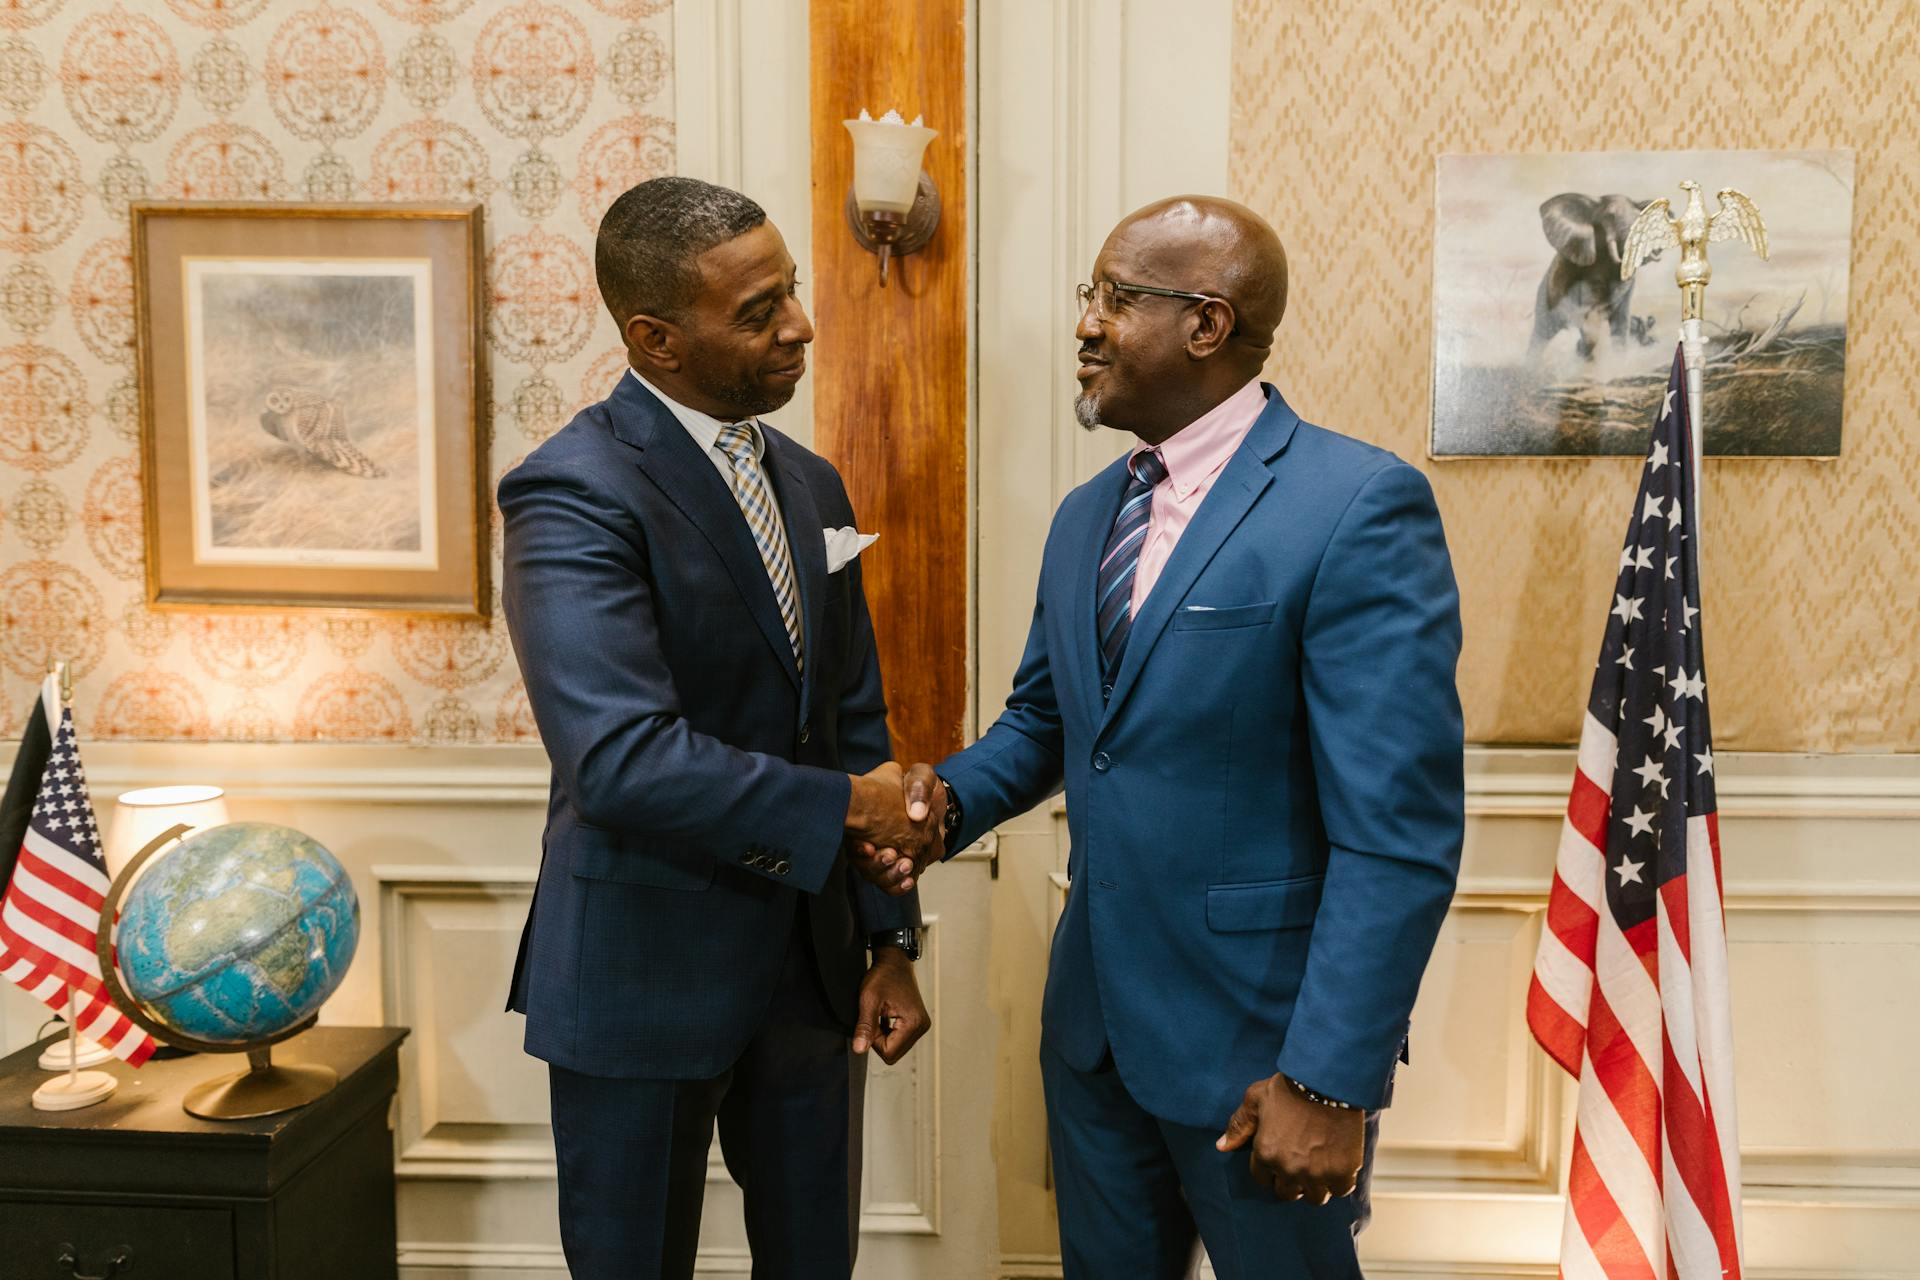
1302 1149
892 1015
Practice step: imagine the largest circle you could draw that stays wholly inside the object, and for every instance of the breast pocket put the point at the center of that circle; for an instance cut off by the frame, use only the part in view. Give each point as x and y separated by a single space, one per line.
1194 617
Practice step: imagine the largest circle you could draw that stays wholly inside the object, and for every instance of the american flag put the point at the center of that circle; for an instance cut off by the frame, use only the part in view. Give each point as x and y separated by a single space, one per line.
1629 989
50 914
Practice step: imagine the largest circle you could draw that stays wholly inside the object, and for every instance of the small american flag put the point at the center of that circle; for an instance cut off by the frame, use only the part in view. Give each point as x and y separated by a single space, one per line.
49 917
1629 988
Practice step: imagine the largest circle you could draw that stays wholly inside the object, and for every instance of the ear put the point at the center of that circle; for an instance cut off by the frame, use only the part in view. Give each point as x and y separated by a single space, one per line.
1213 323
654 342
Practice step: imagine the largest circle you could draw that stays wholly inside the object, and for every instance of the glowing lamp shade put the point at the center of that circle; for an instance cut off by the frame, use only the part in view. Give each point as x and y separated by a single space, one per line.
139 816
886 163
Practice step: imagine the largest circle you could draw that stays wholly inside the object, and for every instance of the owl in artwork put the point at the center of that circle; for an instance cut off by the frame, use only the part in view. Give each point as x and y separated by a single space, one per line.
313 424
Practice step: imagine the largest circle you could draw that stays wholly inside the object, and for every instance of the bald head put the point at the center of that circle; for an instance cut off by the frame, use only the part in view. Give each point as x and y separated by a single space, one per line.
1215 246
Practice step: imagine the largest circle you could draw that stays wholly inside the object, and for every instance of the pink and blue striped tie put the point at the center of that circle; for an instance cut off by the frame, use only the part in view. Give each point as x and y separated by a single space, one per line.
1113 609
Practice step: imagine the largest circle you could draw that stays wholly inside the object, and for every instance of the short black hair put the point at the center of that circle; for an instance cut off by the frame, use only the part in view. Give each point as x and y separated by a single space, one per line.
646 259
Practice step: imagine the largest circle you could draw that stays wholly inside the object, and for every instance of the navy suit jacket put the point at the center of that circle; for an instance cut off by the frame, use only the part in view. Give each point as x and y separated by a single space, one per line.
1266 813
699 776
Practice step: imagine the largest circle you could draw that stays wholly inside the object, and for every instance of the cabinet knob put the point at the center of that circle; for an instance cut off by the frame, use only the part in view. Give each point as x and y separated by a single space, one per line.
122 1260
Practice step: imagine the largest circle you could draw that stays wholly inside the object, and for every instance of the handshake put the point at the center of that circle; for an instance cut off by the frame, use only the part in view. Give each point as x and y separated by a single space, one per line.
896 825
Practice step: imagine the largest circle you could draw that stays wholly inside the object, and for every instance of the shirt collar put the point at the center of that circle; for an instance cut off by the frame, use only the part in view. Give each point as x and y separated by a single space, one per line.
1203 446
703 427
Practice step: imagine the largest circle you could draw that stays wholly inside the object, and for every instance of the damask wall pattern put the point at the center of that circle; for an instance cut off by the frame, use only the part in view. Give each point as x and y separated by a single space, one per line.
544 110
1340 107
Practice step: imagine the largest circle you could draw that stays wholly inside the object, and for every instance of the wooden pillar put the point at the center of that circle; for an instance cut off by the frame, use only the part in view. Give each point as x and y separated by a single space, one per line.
890 365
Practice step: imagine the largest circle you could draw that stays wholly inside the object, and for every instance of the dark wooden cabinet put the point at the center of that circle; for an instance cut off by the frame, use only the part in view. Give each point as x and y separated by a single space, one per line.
135 1187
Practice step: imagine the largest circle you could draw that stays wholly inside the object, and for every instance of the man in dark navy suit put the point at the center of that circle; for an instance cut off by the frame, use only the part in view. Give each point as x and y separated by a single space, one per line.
684 595
1241 669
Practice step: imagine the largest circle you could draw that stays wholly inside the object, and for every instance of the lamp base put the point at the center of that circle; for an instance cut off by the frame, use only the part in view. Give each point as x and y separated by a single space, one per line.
71 1092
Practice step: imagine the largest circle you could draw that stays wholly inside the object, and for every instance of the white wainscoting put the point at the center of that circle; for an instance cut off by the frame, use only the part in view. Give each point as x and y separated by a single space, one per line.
442 846
1823 923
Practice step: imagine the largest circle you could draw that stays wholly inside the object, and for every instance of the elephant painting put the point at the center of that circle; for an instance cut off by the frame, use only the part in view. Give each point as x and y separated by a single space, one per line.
1582 289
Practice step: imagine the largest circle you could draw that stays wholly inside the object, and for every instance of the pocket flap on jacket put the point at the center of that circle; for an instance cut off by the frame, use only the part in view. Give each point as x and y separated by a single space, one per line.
1208 618
603 855
1274 904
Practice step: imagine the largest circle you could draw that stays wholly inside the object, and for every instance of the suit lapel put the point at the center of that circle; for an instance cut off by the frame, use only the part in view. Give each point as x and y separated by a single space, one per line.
1242 481
809 546
683 471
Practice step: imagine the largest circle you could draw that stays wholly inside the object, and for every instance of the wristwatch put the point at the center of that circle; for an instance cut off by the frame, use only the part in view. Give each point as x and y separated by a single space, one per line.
906 940
955 816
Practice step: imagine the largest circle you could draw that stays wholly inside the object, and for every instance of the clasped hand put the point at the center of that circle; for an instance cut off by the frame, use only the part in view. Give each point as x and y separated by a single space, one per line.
894 825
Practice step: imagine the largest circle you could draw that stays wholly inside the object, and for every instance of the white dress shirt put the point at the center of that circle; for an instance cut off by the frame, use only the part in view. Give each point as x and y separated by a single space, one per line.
705 430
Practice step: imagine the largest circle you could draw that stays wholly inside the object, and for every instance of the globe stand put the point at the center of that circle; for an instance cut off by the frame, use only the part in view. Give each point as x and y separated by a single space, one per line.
263 1089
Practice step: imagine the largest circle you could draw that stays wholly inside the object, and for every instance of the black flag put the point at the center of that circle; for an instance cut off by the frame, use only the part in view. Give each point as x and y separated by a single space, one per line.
16 807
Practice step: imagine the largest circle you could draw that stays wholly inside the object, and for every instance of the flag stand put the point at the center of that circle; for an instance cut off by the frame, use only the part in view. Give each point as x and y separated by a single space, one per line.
76 1088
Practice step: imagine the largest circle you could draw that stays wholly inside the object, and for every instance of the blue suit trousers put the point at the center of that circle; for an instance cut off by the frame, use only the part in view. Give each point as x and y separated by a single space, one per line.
1135 1191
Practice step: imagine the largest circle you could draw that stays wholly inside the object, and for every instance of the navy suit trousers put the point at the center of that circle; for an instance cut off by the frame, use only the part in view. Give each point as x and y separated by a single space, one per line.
1135 1191
633 1153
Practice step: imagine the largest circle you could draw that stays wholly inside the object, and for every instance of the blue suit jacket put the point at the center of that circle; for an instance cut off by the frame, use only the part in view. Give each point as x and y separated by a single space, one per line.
699 778
1266 814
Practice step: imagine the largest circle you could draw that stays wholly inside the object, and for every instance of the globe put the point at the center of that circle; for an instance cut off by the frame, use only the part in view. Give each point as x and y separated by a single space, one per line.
237 934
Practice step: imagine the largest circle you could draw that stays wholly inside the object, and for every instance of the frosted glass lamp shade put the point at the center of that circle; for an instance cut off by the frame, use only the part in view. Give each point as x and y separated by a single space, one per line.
886 164
139 816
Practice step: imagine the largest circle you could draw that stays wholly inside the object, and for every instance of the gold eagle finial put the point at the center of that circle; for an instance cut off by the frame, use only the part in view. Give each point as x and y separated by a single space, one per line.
1656 230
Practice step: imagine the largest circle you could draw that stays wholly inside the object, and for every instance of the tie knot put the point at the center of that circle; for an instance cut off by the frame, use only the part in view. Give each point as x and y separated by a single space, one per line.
1148 468
736 440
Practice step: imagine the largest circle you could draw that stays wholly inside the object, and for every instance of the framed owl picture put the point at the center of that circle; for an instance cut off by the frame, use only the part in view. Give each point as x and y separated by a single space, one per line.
313 397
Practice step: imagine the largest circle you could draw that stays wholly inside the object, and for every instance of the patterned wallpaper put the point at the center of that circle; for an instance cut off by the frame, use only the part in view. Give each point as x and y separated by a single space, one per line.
1340 107
543 109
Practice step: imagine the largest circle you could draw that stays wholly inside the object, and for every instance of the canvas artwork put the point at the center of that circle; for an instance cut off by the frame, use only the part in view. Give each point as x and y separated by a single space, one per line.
1541 349
310 411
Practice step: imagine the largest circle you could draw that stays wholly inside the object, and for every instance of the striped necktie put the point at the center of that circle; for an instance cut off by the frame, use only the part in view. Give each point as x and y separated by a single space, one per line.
1114 587
750 490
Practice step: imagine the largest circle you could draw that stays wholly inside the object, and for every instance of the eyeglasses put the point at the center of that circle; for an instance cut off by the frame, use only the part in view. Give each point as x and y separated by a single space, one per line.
1099 296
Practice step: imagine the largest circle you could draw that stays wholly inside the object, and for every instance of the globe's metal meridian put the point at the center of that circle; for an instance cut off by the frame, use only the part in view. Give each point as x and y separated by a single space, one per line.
263 1089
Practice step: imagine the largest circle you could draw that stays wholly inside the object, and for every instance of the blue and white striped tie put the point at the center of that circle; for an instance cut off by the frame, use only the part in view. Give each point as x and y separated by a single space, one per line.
1113 610
750 490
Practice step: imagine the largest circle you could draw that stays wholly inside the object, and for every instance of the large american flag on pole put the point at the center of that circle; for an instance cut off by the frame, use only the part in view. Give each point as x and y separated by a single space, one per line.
1629 989
50 914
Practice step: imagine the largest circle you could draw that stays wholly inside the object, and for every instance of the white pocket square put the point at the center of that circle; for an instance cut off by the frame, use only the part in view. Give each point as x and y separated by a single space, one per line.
845 545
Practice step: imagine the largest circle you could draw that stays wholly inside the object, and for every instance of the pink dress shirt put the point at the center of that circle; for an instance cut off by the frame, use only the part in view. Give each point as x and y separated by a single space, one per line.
1194 456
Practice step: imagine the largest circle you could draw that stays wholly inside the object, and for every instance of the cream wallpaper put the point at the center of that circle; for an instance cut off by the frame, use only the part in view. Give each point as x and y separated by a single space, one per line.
545 110
1340 107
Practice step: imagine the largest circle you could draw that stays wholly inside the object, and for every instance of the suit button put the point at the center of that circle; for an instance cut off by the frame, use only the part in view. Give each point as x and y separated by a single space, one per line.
806 732
781 867
749 857
1102 762
1106 691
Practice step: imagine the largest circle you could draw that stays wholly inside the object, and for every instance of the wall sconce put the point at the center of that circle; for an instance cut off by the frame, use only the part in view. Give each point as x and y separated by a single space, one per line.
893 206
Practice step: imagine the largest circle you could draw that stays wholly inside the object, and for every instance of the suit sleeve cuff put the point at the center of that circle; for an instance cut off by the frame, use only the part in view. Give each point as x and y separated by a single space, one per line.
803 847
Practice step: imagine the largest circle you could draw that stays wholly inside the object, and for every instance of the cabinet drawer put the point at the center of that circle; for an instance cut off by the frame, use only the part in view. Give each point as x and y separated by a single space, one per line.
162 1244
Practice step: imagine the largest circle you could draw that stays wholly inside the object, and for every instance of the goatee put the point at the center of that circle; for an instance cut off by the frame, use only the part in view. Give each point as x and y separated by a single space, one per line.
1086 411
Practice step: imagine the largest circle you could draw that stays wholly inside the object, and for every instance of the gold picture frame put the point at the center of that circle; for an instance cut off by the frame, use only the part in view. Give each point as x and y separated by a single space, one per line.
313 406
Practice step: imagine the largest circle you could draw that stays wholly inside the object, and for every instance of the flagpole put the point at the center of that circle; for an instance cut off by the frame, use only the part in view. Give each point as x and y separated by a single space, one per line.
56 694
77 1088
1693 345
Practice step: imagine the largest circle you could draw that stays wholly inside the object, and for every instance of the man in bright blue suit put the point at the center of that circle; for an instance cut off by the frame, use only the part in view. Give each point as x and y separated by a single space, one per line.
1241 668
699 657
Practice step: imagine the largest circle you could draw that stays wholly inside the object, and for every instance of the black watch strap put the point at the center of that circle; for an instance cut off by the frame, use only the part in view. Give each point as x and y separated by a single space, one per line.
955 816
907 940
